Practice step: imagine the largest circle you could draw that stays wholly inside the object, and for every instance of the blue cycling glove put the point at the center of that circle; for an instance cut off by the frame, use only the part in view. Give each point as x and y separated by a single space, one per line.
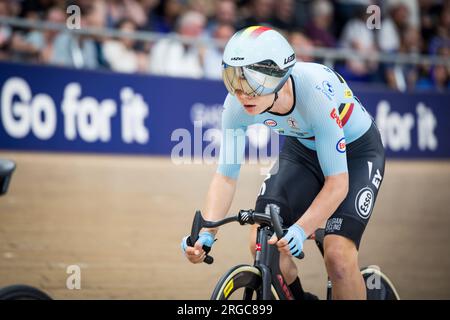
295 238
206 239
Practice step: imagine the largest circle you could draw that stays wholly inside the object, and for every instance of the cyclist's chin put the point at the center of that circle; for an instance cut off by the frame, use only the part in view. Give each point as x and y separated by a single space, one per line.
253 109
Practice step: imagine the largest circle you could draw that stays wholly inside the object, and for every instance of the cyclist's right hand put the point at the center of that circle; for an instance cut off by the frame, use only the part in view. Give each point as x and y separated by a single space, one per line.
196 254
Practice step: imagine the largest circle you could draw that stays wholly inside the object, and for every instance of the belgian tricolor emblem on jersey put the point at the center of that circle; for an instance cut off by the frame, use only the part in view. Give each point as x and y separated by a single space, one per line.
345 111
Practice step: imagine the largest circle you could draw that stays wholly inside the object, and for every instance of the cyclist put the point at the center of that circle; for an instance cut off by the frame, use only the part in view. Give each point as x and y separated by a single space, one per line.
329 170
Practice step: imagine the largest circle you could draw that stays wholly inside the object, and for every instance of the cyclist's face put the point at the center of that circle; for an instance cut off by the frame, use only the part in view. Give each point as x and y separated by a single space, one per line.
254 105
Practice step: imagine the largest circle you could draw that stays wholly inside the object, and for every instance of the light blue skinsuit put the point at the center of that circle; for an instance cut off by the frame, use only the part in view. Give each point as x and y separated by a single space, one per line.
325 116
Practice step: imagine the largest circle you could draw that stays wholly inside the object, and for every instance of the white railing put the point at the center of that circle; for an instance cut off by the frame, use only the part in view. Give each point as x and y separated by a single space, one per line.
329 56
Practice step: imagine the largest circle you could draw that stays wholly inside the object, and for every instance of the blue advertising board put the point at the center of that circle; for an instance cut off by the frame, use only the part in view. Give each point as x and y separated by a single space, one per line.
46 108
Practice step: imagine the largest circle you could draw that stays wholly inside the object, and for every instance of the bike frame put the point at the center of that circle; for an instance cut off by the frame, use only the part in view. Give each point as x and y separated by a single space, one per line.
267 258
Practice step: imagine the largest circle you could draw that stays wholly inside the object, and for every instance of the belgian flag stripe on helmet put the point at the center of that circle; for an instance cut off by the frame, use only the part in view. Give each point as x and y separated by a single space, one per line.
254 32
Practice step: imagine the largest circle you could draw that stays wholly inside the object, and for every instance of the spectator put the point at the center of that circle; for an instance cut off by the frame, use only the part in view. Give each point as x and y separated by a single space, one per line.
54 47
170 57
403 77
358 37
95 17
441 36
260 13
213 54
412 6
347 10
389 36
118 10
225 14
37 45
284 18
302 46
429 16
36 8
75 51
166 15
204 7
149 8
302 12
121 54
438 77
5 31
318 29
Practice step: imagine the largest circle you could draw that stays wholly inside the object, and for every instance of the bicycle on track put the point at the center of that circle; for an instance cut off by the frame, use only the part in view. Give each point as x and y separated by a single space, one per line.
263 280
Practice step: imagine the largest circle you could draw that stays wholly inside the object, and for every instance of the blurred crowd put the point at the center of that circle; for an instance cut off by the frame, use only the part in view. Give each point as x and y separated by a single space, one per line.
407 26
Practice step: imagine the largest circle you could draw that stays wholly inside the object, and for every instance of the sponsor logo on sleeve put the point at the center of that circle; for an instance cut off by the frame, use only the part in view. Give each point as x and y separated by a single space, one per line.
335 117
270 123
328 88
292 123
364 202
341 146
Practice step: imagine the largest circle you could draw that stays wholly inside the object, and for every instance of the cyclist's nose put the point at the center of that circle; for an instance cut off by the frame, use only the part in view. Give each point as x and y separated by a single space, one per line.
243 96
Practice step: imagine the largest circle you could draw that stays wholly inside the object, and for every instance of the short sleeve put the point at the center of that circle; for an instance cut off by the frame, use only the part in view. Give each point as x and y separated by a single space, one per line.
321 111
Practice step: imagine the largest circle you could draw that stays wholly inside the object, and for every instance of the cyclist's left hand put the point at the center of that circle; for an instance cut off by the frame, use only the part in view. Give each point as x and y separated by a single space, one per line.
292 242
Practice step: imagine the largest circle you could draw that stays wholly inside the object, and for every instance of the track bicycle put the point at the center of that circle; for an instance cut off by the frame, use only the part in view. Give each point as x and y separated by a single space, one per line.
263 280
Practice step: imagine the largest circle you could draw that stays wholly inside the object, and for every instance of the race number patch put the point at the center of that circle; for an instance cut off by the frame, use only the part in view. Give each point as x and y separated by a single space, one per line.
364 202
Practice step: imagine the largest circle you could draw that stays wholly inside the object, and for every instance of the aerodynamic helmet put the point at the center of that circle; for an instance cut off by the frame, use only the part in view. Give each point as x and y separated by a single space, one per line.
257 60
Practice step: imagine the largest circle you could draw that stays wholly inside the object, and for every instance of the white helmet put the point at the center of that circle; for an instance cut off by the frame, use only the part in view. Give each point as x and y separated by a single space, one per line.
257 60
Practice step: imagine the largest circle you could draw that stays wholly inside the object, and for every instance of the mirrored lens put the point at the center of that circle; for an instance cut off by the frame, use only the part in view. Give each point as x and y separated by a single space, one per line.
234 79
258 79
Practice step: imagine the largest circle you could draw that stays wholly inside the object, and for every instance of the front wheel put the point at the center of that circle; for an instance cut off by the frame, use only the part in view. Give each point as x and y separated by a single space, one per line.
22 292
242 282
378 285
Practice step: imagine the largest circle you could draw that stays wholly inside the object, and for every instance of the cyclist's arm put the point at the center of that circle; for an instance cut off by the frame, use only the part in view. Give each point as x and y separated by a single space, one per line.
219 198
326 202
223 185
329 136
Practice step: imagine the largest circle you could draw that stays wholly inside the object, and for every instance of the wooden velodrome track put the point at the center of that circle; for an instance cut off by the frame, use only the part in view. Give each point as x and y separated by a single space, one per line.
121 220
